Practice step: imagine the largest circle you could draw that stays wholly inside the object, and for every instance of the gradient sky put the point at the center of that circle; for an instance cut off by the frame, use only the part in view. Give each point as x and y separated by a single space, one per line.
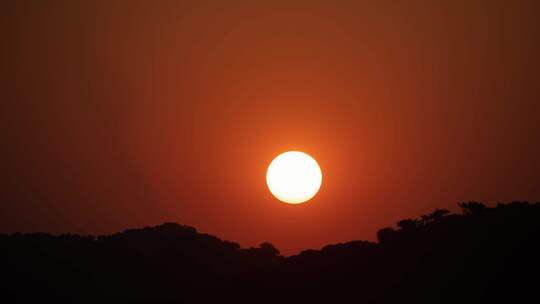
120 114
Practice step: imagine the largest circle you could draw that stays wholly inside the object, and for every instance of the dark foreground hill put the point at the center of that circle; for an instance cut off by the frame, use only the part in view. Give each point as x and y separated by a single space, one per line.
482 255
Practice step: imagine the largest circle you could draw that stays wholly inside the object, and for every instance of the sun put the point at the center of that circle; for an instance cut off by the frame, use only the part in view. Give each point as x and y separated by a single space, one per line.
294 177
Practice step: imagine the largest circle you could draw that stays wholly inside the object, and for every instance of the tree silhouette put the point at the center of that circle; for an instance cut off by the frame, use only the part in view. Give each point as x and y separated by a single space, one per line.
472 208
268 249
408 224
385 234
440 257
435 216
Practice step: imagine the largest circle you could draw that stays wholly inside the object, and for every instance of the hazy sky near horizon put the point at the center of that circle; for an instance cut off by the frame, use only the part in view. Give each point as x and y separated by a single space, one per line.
120 114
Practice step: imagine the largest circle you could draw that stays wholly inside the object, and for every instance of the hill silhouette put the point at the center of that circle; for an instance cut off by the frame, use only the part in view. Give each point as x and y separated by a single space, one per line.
484 254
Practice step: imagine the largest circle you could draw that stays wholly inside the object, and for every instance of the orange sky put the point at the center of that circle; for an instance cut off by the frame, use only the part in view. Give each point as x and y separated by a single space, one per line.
119 114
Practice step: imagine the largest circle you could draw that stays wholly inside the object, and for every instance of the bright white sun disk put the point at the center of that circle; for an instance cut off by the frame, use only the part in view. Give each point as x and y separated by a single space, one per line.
294 177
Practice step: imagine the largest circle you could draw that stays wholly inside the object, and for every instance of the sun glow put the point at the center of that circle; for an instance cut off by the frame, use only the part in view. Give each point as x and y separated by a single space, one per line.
294 177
